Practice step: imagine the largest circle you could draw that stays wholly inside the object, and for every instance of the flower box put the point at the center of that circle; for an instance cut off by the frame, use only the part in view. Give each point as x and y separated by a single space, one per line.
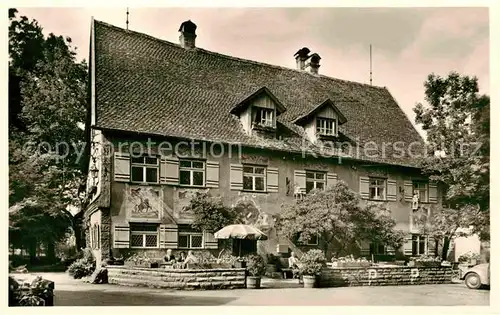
352 264
429 264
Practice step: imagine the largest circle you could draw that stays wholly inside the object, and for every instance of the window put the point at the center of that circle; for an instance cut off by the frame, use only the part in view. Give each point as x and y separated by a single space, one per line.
189 238
315 180
377 188
145 169
326 126
421 189
254 178
143 235
419 245
377 249
192 173
264 116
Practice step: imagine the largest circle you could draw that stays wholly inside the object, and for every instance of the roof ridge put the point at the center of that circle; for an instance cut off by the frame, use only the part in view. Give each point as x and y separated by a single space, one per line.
237 58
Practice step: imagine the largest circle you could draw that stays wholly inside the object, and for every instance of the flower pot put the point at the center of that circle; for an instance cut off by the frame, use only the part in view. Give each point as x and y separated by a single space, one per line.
309 281
253 282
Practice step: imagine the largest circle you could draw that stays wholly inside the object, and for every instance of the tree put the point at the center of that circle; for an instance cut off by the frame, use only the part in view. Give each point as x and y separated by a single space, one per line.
47 101
210 213
456 122
338 217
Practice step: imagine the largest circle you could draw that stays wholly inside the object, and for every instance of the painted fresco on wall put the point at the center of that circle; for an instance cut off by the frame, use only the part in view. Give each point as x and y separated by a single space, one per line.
251 214
144 203
184 198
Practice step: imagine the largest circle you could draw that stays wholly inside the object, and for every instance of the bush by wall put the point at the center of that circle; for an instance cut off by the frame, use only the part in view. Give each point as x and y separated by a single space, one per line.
84 266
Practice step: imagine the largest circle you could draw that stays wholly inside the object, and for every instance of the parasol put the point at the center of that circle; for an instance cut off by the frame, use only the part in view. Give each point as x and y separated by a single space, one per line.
240 232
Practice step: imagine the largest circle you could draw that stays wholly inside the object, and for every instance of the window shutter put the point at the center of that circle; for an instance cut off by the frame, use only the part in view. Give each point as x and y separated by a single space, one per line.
299 181
168 236
407 246
212 174
210 241
390 250
391 190
433 193
364 187
431 246
272 180
365 249
122 167
122 236
331 179
408 190
236 176
169 172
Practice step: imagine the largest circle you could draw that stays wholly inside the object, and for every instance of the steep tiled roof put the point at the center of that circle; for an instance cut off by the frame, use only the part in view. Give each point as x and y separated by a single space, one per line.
147 85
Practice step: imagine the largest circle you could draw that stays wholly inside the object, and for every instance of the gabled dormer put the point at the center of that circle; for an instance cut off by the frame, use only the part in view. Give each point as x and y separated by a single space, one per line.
258 112
322 122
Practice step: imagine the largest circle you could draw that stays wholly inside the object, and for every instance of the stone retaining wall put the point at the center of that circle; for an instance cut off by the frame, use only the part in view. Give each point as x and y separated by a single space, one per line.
188 279
373 276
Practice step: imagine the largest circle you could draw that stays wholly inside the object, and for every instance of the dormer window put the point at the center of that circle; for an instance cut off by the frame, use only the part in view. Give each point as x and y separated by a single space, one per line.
258 112
326 126
264 117
322 122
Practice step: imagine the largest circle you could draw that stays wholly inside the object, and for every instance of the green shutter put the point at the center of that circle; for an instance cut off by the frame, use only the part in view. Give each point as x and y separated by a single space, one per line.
121 237
169 170
391 190
236 176
407 246
299 181
408 190
122 167
212 177
433 193
209 240
272 180
364 187
168 236
331 179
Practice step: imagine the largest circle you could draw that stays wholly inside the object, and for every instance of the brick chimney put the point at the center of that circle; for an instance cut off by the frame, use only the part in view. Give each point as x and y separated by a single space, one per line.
188 34
301 57
312 65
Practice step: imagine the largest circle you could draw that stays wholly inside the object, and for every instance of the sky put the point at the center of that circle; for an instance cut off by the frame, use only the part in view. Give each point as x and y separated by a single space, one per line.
407 43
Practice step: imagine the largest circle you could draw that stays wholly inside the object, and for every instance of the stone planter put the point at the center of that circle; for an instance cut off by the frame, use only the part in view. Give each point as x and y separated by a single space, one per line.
253 282
309 281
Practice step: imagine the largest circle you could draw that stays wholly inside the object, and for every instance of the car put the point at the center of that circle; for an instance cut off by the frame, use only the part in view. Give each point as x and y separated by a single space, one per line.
477 276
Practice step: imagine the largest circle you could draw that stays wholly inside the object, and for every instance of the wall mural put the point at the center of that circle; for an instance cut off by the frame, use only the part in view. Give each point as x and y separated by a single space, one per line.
144 203
251 214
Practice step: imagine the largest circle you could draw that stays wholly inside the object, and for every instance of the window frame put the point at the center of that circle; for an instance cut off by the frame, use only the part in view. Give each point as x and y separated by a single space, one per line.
322 126
420 238
377 188
144 167
143 234
425 189
255 175
191 170
190 235
374 249
315 180
266 115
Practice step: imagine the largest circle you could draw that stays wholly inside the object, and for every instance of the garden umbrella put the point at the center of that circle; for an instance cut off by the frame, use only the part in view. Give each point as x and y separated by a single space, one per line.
241 232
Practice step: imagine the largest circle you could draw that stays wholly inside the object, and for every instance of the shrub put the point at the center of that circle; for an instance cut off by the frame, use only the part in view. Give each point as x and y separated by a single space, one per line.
312 262
255 265
84 266
39 292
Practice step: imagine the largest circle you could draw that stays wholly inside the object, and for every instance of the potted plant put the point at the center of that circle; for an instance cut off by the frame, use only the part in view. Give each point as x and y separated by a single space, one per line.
256 267
310 266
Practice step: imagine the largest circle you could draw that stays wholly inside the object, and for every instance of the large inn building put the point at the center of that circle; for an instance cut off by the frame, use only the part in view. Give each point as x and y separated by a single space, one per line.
263 134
